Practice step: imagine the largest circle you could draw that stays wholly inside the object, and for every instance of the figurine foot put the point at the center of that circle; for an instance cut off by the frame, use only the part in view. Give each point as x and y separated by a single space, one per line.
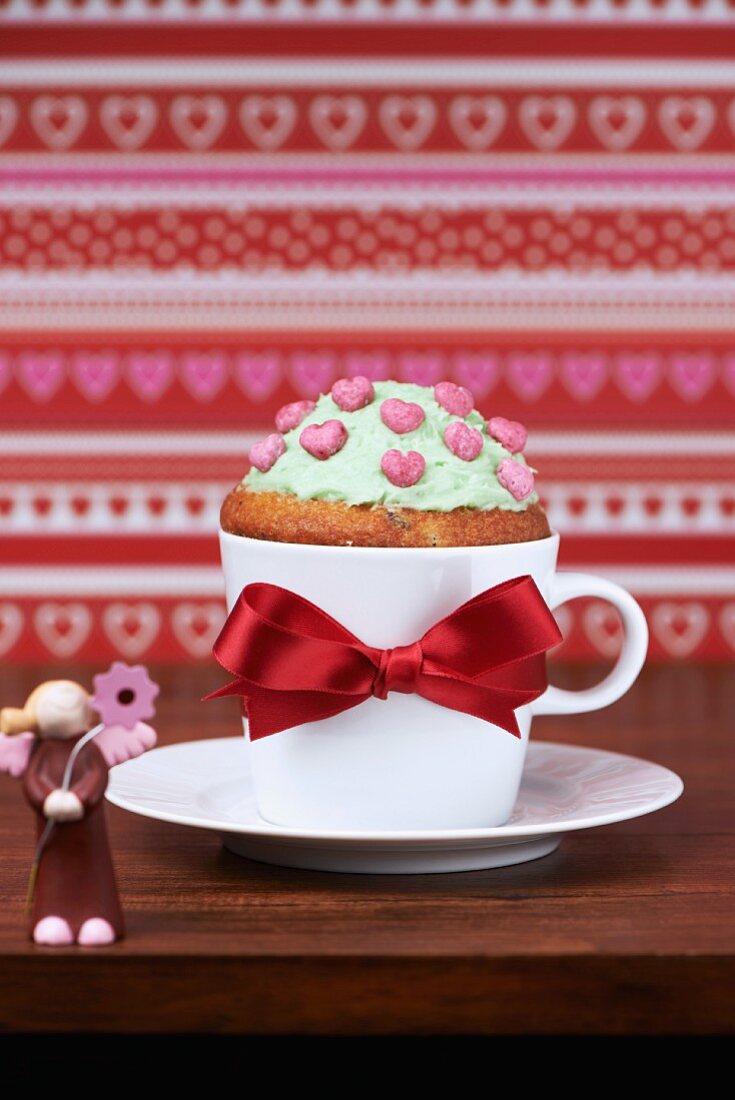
96 932
53 932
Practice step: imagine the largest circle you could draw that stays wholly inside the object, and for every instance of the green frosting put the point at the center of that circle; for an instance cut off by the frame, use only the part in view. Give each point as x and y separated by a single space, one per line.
354 476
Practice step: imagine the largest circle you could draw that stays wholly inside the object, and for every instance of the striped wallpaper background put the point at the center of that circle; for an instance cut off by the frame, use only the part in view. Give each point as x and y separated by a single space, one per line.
208 209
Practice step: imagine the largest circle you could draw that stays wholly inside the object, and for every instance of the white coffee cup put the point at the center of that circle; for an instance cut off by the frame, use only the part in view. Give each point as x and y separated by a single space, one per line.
404 763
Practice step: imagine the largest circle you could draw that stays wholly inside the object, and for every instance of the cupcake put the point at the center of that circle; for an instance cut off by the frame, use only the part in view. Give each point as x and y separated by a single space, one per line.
388 464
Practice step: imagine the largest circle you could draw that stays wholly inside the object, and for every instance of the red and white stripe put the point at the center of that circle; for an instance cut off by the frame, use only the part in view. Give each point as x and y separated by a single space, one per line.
188 242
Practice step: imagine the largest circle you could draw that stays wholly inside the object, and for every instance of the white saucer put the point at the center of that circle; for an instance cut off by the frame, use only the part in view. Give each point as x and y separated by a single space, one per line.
207 784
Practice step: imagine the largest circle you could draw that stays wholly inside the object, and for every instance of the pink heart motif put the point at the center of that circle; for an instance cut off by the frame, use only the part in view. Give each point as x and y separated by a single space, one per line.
131 627
407 121
5 370
456 400
266 453
530 374
638 375
312 372
686 122
351 394
63 628
11 626
463 441
373 365
423 369
324 440
511 434
290 416
149 374
516 478
128 120
258 374
268 120
338 120
8 117
403 470
204 374
584 375
95 375
616 121
604 628
680 627
198 120
477 120
479 372
728 372
547 120
692 375
196 625
58 120
727 624
41 374
401 416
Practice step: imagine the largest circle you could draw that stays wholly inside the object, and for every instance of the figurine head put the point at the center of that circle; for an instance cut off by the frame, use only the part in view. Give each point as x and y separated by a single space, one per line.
55 709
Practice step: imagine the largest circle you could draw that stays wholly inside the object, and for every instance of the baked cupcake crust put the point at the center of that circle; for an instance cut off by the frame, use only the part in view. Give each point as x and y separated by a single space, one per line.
282 517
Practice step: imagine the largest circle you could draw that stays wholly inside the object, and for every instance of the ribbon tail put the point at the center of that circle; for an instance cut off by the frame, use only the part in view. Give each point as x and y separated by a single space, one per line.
489 704
272 711
235 687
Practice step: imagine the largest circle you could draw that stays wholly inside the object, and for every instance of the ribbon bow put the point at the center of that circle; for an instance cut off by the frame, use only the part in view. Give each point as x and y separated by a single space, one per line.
296 664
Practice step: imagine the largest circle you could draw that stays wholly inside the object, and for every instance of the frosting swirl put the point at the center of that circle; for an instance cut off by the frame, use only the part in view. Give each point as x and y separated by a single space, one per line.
354 475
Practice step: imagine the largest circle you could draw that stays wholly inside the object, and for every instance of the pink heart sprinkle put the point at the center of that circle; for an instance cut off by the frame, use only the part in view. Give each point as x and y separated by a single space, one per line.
266 453
401 416
516 478
290 416
403 470
351 394
324 440
457 400
463 441
510 433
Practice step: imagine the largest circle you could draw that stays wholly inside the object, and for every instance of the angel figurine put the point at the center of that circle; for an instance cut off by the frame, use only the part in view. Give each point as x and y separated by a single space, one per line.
63 757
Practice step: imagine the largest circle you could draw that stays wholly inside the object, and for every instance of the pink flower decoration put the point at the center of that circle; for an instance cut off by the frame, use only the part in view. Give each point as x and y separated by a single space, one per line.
124 695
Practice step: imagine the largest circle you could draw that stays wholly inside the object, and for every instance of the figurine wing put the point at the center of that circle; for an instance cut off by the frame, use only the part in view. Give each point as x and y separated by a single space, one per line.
15 752
118 744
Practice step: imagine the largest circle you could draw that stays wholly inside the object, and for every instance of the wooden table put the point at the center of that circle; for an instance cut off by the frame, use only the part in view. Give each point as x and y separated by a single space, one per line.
625 929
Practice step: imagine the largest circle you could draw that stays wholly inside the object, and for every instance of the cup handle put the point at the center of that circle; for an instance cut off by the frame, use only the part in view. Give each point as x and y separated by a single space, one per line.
568 586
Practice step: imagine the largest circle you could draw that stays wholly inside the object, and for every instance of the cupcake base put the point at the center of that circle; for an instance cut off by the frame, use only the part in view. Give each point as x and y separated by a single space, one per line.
280 517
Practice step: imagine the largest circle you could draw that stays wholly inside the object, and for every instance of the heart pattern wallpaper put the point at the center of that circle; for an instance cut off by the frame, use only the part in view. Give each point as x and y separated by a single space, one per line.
210 209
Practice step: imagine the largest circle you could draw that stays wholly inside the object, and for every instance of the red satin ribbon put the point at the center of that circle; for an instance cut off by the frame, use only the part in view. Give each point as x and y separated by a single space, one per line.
295 664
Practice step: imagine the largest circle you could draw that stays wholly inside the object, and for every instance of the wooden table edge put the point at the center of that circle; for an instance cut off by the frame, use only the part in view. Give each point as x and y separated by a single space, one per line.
350 995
